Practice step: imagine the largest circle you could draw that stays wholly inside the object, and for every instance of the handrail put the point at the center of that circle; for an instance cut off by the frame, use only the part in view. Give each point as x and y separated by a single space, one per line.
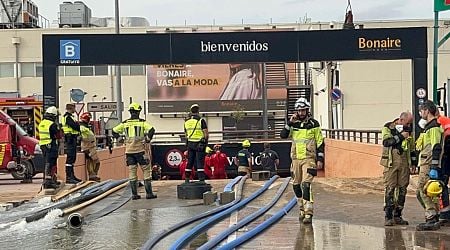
371 136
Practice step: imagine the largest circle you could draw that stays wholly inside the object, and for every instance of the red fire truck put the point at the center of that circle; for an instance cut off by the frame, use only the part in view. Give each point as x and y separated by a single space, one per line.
26 111
18 151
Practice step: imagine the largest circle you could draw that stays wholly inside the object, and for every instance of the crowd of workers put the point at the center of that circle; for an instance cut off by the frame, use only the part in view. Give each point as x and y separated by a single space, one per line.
401 156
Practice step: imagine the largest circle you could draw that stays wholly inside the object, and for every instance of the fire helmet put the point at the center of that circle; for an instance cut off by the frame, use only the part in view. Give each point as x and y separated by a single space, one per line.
433 188
135 107
246 144
302 103
85 117
52 110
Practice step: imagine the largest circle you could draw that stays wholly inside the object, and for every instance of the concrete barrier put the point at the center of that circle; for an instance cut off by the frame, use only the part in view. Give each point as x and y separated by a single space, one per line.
112 166
343 159
346 159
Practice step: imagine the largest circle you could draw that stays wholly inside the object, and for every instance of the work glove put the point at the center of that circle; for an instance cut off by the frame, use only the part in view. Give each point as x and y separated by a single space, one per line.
434 173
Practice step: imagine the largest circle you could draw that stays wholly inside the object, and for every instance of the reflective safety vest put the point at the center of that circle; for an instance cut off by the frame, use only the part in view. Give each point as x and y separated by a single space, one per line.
44 132
193 128
306 140
66 128
134 131
431 137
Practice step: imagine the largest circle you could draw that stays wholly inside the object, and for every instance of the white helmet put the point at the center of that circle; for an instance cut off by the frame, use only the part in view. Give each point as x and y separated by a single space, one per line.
302 103
52 111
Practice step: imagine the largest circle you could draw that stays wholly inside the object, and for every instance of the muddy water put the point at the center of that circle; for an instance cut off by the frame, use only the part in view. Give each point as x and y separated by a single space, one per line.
336 226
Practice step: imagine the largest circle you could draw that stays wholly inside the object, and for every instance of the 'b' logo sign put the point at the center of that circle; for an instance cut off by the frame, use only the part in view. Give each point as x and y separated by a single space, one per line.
69 51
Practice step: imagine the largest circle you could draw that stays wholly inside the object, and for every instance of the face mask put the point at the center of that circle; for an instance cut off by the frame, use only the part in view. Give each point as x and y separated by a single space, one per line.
422 123
399 128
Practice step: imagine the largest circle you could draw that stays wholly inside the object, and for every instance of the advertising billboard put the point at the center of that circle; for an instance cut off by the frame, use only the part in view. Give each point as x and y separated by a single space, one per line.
215 87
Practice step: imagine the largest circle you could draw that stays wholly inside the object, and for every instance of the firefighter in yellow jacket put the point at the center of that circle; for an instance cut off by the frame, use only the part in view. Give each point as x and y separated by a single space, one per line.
89 147
307 155
397 158
429 185
137 133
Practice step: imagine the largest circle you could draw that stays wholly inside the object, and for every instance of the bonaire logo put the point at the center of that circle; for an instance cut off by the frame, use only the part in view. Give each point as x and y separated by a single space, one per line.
386 44
69 51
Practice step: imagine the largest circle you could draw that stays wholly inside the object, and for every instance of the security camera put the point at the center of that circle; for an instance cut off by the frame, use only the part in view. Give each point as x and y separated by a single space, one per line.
332 25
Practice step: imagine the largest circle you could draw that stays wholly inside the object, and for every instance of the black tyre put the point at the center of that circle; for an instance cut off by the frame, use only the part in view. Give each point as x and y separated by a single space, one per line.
18 175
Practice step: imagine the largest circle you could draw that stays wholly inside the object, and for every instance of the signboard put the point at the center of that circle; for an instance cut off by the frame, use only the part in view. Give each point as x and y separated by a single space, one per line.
215 87
168 156
441 5
101 106
79 107
336 94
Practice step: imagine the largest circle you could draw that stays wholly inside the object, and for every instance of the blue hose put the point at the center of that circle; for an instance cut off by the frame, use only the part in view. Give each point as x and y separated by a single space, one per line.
260 228
221 236
230 185
150 243
191 234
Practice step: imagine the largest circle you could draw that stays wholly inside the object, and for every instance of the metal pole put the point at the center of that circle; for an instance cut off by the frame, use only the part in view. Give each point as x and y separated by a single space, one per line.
118 71
264 99
435 54
16 65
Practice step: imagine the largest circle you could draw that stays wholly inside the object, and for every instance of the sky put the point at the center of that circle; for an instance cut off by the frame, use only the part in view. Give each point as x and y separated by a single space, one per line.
207 12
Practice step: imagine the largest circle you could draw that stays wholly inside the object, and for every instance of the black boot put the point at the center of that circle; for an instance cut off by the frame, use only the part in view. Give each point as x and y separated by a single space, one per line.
49 184
187 176
201 177
398 220
148 190
430 224
134 192
70 175
388 218
72 171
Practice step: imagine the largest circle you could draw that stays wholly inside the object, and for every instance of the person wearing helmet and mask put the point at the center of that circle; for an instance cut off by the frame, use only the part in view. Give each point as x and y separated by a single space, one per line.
397 158
183 165
307 155
89 147
429 165
243 159
196 132
219 160
71 130
137 133
208 167
48 141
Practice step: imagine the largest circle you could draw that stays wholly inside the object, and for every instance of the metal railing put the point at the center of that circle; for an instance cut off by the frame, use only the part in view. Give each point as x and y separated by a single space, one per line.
364 136
226 136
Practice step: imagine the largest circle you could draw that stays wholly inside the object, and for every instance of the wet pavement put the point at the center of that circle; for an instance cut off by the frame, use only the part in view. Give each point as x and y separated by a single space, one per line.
348 215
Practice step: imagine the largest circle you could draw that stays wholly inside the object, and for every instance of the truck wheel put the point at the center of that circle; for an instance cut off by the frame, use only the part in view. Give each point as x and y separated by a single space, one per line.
18 175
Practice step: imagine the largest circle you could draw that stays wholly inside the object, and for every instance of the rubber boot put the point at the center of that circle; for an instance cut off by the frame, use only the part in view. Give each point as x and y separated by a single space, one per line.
73 174
148 190
187 177
388 217
134 192
201 177
49 184
398 220
431 224
69 175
